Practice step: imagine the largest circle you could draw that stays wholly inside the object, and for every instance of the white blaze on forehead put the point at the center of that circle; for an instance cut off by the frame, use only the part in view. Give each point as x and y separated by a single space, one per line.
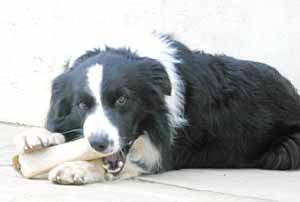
97 122
94 80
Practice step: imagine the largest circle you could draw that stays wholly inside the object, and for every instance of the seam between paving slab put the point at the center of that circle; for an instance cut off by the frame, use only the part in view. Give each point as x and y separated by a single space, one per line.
195 189
6 146
17 124
5 165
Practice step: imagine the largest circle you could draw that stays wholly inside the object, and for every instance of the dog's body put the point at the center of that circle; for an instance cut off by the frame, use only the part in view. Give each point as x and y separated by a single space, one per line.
195 110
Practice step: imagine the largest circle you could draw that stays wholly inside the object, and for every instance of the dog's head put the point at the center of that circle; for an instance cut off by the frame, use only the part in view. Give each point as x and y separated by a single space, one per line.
111 96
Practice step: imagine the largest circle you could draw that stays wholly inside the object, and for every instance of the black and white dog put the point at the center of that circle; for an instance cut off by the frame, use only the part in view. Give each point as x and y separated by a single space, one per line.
186 109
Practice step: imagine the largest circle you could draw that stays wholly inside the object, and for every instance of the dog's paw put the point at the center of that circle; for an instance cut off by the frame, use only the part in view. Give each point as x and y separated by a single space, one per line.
37 138
75 173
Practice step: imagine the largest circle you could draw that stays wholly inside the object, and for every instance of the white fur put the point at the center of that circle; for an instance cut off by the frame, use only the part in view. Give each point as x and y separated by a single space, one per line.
97 121
157 47
130 170
144 151
152 156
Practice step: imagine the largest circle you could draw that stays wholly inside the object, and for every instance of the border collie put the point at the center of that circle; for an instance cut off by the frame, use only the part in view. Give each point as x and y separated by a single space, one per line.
155 105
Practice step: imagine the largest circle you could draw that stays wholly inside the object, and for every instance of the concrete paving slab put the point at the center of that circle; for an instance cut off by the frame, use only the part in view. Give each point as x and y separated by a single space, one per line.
275 185
8 131
6 153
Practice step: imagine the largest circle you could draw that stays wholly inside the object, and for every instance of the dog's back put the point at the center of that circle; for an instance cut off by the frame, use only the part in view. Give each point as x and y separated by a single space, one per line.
240 113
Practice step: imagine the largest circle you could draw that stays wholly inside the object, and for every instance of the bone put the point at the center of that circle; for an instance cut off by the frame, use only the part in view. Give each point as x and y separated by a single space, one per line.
31 165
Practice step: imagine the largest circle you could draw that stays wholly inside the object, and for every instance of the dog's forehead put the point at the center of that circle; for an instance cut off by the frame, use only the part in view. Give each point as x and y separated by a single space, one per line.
104 72
119 71
105 77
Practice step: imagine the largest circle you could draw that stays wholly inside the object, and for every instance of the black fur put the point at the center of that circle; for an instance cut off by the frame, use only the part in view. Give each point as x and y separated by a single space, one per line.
241 114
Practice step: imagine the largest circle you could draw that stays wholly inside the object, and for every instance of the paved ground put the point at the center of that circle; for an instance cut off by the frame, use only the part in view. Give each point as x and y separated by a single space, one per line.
206 185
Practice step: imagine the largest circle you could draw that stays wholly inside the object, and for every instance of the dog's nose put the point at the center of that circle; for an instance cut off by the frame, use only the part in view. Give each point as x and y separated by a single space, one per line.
99 141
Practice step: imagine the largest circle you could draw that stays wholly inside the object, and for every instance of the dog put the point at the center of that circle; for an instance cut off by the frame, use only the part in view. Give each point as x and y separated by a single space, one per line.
154 105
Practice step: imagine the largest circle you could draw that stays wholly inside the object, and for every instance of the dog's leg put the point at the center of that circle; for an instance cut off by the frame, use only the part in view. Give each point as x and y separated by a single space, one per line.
78 172
142 152
36 139
130 170
284 156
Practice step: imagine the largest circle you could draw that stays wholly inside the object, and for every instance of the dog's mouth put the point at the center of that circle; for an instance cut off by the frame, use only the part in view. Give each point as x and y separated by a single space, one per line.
115 162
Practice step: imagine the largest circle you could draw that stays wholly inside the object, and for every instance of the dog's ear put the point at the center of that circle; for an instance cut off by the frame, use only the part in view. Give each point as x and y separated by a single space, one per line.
60 95
159 76
60 103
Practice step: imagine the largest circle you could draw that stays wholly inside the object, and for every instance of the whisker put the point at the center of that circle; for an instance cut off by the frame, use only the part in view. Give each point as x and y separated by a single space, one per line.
122 152
73 130
76 137
73 134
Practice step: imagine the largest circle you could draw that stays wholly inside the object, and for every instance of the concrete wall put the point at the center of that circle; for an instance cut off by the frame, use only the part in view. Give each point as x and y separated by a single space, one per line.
37 36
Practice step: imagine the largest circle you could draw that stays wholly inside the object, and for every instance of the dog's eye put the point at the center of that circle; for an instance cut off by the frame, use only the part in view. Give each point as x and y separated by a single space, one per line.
121 101
83 106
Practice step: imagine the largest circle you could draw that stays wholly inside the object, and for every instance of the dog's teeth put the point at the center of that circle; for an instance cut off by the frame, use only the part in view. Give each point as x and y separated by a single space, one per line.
114 171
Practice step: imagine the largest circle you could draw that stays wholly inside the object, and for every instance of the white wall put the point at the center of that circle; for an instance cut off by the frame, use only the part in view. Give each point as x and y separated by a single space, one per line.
37 36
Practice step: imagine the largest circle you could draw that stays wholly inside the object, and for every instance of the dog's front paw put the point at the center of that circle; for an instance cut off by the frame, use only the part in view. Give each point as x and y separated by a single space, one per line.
75 173
37 138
